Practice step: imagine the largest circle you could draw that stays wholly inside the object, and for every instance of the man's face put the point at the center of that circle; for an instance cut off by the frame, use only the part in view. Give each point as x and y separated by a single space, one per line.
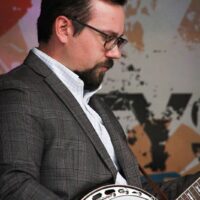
91 59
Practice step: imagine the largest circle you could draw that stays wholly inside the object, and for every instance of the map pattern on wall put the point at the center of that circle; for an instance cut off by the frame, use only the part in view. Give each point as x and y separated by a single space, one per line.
153 90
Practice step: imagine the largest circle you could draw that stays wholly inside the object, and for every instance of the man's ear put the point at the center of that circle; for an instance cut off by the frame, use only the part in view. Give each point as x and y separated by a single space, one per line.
63 28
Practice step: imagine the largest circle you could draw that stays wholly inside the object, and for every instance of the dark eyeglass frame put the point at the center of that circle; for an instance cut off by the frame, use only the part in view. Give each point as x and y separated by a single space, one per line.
116 41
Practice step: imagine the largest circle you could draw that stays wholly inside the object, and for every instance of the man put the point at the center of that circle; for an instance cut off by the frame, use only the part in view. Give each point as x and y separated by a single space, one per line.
57 139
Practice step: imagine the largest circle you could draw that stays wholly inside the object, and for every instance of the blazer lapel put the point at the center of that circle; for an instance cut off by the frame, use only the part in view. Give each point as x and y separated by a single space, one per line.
68 99
124 155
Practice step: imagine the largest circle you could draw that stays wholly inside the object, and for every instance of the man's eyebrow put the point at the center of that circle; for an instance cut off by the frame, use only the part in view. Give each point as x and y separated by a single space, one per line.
112 33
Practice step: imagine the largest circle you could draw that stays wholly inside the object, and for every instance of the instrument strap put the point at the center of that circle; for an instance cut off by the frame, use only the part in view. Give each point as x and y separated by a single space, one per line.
153 185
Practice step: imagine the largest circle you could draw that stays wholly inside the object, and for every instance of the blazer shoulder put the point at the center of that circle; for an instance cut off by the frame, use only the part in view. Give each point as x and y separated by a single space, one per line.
22 77
12 79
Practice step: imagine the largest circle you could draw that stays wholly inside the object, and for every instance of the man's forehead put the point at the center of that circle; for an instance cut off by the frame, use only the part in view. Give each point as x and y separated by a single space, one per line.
102 9
110 16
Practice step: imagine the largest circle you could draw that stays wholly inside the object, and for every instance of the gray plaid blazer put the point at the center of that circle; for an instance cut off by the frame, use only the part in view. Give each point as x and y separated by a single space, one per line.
48 148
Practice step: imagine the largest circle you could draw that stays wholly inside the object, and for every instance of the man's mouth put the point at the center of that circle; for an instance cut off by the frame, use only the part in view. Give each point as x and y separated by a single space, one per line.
104 68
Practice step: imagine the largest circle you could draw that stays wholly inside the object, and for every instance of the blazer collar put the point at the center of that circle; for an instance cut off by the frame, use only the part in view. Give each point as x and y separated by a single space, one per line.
37 65
125 157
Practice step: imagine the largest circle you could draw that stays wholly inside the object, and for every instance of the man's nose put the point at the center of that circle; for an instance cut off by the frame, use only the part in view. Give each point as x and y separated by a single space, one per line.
114 53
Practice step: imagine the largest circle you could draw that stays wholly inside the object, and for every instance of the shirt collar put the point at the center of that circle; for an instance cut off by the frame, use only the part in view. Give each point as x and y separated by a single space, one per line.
68 77
88 94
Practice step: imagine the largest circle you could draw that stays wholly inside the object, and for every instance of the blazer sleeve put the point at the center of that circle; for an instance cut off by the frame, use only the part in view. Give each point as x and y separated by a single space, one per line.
21 145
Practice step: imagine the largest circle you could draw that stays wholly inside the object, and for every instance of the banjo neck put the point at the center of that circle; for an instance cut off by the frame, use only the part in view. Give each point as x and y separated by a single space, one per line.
192 192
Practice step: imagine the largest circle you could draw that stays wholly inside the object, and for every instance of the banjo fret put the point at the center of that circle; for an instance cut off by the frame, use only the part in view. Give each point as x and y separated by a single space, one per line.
192 193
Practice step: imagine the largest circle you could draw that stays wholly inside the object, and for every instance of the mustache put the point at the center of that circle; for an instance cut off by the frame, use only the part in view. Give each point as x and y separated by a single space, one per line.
108 63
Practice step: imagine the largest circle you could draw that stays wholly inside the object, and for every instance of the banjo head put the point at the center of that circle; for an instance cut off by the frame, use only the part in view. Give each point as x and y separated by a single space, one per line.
118 192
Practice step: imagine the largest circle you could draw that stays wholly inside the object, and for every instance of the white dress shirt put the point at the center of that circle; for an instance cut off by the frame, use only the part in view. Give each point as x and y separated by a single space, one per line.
76 87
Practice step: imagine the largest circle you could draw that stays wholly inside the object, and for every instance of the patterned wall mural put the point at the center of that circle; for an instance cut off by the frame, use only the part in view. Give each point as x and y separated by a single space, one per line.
153 90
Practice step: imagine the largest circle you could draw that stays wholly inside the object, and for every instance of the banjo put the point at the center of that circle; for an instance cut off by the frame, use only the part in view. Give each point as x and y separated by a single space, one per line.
126 192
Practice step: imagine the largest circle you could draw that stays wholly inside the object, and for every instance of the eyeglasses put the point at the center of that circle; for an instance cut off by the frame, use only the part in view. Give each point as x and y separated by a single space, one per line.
110 40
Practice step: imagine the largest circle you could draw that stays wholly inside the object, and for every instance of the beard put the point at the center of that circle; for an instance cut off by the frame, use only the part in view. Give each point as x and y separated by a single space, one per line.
93 78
